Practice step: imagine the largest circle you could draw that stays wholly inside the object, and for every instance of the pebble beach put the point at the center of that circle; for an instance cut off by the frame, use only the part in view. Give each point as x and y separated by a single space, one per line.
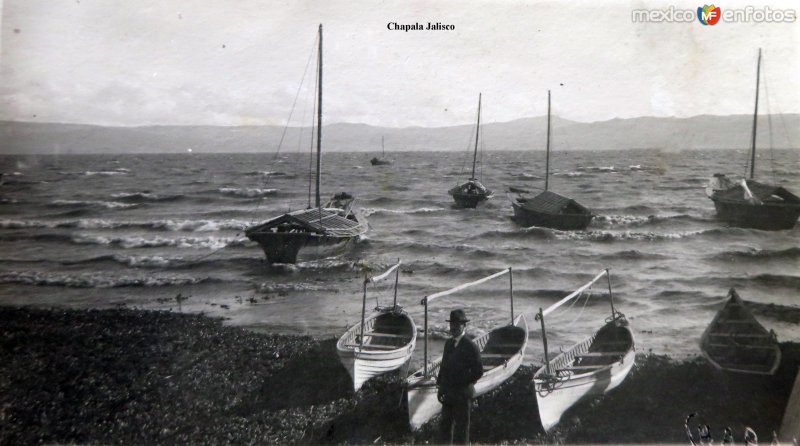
126 376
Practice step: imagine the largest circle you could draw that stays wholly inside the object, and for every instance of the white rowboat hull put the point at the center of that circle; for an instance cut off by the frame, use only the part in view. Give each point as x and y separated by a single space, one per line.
423 403
567 389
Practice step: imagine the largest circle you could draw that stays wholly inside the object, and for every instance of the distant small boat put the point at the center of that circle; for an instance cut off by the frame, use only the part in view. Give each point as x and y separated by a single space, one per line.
549 209
749 203
469 194
382 161
591 367
331 225
502 351
381 342
736 342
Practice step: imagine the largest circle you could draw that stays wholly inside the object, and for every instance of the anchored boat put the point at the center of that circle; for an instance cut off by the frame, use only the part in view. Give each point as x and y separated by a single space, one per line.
469 194
748 203
735 341
331 226
381 342
549 209
591 367
382 161
502 351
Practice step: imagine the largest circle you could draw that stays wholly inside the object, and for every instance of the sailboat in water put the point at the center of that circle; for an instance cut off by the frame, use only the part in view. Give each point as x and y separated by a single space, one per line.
469 194
748 203
549 209
330 225
382 161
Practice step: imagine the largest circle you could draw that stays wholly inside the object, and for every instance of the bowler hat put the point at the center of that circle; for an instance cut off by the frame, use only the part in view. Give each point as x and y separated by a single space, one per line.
458 316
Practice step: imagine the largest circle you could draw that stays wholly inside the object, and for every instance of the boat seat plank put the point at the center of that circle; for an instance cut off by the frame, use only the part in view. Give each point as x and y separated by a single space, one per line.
495 355
740 335
583 367
594 354
376 346
385 335
764 347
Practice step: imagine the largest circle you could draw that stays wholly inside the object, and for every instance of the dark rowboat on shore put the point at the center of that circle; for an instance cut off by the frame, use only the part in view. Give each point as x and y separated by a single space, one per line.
749 203
735 341
469 194
549 209
330 226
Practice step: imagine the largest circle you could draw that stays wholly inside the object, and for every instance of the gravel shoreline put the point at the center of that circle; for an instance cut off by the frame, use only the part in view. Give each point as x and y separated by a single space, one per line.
145 377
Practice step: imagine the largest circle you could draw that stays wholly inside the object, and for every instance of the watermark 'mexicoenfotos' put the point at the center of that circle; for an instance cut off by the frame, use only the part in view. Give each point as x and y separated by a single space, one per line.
711 15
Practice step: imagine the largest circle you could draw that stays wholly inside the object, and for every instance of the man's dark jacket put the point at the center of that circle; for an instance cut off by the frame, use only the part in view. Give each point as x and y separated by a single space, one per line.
461 367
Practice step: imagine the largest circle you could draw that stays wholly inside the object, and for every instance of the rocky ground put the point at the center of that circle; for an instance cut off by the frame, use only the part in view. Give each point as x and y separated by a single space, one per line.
145 377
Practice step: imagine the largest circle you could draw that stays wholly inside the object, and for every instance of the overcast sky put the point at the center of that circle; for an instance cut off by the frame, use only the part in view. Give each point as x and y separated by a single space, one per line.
144 62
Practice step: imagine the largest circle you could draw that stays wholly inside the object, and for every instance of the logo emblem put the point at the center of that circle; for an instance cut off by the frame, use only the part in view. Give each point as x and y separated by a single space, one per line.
709 15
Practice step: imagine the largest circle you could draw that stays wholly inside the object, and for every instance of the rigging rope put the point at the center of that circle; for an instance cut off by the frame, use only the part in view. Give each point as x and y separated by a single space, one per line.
286 127
769 126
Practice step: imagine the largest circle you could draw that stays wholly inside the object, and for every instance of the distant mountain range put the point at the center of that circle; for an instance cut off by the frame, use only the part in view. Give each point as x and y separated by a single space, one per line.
697 132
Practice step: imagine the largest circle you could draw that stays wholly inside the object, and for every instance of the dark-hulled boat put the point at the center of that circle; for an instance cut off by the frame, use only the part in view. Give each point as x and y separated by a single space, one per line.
328 226
735 341
469 194
549 209
751 204
382 161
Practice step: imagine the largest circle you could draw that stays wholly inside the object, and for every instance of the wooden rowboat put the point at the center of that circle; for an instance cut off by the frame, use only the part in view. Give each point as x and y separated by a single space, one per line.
380 343
736 342
502 351
589 368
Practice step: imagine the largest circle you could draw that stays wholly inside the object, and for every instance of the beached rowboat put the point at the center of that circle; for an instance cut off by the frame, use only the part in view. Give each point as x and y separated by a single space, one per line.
502 351
591 367
380 343
735 341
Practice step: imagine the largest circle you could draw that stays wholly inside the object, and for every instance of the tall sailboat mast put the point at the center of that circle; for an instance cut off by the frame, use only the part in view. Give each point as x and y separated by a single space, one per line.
319 113
547 162
477 133
755 120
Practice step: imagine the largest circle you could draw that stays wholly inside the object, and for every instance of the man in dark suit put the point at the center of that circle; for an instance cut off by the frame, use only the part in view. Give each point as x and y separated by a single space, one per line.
461 368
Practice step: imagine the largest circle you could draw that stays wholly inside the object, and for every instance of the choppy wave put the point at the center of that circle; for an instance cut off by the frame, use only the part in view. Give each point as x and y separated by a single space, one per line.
246 192
632 254
167 262
91 173
640 220
270 173
594 236
94 203
97 280
129 242
138 197
604 169
760 254
425 210
568 174
98 223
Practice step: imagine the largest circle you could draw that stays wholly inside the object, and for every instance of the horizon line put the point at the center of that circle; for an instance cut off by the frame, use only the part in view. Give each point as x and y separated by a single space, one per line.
133 126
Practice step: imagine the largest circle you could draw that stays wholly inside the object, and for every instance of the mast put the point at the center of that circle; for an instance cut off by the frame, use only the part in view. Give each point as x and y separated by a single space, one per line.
319 113
477 133
755 120
547 162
